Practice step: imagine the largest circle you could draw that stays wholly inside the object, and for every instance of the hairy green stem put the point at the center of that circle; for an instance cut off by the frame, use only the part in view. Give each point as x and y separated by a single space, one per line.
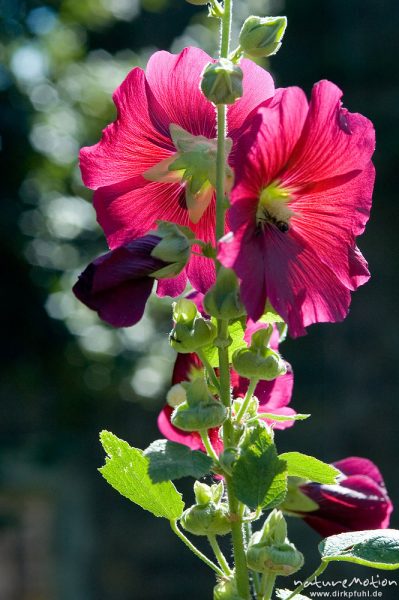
209 369
226 28
267 586
208 446
237 534
254 574
220 171
311 578
248 396
219 554
195 550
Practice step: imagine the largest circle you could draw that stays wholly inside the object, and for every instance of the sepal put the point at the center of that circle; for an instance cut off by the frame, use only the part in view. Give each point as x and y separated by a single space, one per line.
201 411
223 299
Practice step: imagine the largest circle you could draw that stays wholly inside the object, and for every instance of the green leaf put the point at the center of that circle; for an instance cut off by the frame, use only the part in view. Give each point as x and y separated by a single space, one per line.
378 548
308 467
273 417
126 469
284 594
236 332
270 315
259 476
296 501
169 460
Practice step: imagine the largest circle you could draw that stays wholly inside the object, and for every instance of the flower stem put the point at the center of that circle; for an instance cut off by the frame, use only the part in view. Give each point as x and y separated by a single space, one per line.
209 369
195 550
237 534
220 171
226 28
250 392
219 554
311 578
241 571
208 446
267 586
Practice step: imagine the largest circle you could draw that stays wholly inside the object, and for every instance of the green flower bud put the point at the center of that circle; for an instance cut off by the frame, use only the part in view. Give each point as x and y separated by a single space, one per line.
261 338
274 530
284 559
270 551
200 411
176 395
187 339
251 364
191 331
204 494
252 409
260 37
174 248
221 82
185 312
226 589
227 459
223 299
259 361
207 519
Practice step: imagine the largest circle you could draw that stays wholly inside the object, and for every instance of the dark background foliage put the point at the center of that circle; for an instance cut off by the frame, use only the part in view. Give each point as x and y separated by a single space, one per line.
64 376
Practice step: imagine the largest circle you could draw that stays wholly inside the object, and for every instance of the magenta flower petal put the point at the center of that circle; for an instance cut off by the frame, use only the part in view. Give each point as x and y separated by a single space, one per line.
354 465
174 81
128 205
298 248
258 86
334 141
172 287
192 440
359 501
118 284
132 143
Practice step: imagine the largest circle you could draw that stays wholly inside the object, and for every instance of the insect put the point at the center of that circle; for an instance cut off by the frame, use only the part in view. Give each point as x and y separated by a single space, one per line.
267 217
173 338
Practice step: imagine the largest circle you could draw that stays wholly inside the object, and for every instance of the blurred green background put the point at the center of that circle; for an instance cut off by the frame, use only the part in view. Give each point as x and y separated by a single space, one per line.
65 534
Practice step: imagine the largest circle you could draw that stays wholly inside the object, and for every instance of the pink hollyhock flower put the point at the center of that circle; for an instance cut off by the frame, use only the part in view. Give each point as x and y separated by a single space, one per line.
359 501
118 284
302 195
273 396
130 167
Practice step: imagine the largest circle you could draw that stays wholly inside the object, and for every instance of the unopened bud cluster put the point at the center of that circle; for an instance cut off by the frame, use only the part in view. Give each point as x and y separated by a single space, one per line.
200 410
191 331
258 361
270 551
210 515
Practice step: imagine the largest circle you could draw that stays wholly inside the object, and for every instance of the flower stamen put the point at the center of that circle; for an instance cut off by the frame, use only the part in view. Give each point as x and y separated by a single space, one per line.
273 208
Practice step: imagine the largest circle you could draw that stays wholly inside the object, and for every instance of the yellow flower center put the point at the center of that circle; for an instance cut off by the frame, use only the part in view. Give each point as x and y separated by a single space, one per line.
273 207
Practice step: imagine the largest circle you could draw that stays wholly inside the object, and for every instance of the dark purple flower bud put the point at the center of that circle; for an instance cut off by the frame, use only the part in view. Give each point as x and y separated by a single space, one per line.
118 284
358 501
